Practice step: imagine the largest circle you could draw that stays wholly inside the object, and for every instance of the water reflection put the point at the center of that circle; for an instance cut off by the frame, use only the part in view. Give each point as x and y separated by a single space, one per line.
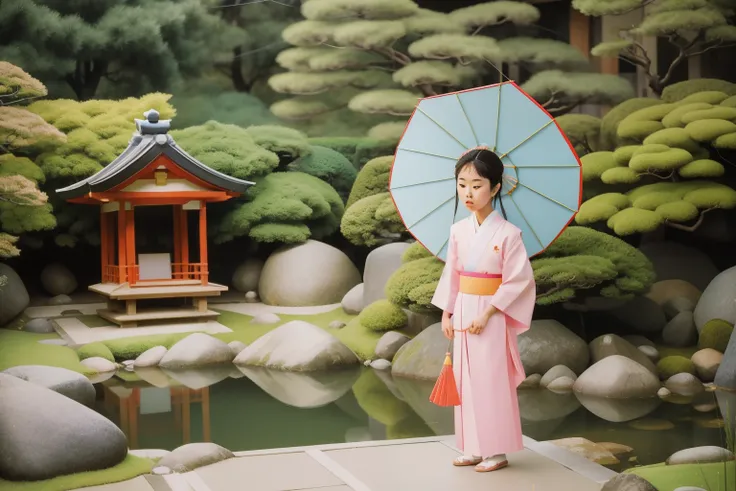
249 409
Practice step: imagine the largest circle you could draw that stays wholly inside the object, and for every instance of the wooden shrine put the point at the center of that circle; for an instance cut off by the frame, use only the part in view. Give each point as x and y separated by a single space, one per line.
154 171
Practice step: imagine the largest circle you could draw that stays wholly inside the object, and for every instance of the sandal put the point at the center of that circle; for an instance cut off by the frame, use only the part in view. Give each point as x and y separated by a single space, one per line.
489 465
464 461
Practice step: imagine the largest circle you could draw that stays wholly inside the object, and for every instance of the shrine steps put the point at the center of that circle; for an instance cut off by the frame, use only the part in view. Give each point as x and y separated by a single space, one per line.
123 319
124 291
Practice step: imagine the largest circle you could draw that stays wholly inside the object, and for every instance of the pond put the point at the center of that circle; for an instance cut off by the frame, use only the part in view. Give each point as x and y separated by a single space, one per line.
257 409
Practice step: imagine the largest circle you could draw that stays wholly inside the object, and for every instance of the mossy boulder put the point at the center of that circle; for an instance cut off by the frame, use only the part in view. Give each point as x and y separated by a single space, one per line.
715 335
672 365
382 316
95 349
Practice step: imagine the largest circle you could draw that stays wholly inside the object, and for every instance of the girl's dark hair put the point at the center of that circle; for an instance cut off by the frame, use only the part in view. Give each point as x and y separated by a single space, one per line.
488 165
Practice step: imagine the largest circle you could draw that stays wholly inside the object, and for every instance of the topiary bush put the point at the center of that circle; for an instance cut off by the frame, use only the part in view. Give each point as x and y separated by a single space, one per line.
672 365
715 335
95 349
329 165
383 315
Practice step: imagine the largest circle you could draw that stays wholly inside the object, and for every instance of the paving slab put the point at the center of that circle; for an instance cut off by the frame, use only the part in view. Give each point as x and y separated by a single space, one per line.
427 466
75 331
268 473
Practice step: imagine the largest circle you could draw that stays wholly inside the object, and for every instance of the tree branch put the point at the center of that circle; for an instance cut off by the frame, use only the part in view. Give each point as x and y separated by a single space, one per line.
691 228
681 56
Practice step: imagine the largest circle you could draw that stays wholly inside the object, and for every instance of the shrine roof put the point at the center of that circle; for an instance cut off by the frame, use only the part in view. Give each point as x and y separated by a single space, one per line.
149 141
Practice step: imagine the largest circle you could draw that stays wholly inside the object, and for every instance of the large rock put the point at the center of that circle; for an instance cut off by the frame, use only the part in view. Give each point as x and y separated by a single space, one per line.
352 302
194 455
618 377
196 350
664 291
151 357
673 261
680 331
66 382
700 455
40 326
706 363
247 275
422 357
13 294
46 434
297 346
390 343
718 299
308 274
726 373
611 344
380 264
628 482
548 343
642 314
57 279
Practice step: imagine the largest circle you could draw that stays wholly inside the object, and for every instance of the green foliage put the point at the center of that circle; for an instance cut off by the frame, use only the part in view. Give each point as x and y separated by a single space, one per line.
429 52
672 365
646 208
286 142
388 131
581 262
715 334
560 92
97 132
359 150
372 220
583 131
585 261
226 107
95 349
691 27
16 84
288 207
413 284
330 166
228 149
612 119
148 44
372 179
382 316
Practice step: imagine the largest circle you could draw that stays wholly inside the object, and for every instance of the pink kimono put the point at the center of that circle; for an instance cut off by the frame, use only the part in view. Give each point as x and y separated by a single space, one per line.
487 366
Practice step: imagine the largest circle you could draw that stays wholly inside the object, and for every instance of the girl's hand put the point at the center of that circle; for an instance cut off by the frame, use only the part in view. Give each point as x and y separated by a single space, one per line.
477 326
447 327
481 322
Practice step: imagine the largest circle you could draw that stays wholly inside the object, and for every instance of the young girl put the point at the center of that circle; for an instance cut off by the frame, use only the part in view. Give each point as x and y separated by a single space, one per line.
487 293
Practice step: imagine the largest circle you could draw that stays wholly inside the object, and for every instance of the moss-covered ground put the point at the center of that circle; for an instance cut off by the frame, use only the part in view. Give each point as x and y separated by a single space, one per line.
713 476
18 347
129 468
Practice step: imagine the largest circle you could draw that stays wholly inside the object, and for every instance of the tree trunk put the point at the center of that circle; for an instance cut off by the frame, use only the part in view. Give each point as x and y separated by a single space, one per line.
236 72
86 78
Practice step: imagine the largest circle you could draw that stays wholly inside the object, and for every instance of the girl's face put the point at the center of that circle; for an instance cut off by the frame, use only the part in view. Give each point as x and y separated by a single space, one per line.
473 190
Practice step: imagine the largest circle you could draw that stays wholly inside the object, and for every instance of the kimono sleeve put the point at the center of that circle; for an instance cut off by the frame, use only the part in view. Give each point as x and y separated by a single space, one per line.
517 294
446 291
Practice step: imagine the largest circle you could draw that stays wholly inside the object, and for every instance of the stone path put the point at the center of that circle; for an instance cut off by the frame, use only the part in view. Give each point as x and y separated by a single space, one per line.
391 465
74 331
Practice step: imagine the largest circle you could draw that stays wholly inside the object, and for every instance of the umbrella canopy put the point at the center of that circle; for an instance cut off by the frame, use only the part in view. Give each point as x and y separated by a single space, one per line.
542 188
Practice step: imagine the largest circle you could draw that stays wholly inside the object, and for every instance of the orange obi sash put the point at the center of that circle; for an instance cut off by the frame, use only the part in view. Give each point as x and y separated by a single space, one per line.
479 283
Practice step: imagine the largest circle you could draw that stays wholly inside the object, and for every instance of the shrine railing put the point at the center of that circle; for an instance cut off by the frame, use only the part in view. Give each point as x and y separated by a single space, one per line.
179 272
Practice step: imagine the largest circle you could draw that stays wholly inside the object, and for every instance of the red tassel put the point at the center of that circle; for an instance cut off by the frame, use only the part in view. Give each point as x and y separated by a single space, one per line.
445 390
